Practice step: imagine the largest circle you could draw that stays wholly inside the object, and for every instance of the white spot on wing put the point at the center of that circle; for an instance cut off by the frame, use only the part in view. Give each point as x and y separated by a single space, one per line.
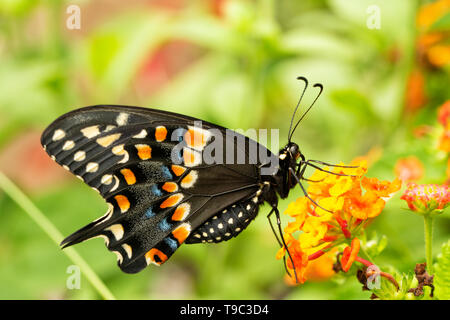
122 119
79 156
141 134
58 135
117 231
128 250
90 132
107 179
92 167
69 144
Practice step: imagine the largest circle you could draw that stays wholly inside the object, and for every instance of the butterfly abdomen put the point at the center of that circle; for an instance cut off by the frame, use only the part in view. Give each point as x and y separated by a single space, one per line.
226 224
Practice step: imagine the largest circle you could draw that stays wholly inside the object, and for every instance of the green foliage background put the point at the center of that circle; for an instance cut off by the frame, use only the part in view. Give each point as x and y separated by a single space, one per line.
241 74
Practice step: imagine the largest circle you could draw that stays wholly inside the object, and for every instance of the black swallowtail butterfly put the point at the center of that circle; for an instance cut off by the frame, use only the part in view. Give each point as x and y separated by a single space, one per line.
149 167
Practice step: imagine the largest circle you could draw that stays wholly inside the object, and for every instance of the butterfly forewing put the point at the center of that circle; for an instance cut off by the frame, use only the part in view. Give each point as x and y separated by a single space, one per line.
151 172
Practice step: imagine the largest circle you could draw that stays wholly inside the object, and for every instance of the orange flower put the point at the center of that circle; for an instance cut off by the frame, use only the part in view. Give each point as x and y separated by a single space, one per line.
365 206
431 12
409 169
415 91
352 199
432 44
350 254
321 268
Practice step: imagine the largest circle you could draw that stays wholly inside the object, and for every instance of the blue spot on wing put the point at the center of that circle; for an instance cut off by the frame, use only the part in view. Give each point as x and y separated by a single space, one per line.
171 243
149 213
166 173
164 225
156 191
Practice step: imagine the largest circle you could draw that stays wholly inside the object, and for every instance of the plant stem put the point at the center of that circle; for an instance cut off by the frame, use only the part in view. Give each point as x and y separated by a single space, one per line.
49 228
428 226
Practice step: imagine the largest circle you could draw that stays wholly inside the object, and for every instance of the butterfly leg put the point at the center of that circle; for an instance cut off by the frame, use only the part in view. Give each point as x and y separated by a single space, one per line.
282 242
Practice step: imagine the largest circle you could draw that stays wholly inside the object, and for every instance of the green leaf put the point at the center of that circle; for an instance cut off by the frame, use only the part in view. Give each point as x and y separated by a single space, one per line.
354 102
443 23
442 274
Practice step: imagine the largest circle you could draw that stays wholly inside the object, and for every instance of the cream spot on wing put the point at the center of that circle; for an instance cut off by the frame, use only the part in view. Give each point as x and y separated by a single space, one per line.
69 144
58 135
79 156
108 140
117 231
120 151
90 132
92 167
122 119
107 179
141 134
116 184
128 250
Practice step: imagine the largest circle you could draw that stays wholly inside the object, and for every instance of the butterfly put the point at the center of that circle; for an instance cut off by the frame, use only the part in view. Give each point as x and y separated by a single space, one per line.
162 190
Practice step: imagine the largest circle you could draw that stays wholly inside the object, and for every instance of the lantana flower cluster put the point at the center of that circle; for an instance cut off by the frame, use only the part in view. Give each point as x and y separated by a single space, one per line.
426 198
351 202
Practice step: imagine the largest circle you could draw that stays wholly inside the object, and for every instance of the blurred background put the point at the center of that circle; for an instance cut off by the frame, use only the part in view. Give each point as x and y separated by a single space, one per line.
384 66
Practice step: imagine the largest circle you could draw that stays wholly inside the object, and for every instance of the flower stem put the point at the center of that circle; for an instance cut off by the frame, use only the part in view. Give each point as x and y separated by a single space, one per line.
49 228
428 226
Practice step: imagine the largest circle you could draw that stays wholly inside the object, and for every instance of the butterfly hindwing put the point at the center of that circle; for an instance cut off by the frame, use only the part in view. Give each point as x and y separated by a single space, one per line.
149 169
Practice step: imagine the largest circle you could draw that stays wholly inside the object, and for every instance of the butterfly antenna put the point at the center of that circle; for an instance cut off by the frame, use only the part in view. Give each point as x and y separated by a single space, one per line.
298 104
304 114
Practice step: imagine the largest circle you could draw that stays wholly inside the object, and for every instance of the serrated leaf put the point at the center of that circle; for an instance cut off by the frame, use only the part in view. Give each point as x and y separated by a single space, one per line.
442 274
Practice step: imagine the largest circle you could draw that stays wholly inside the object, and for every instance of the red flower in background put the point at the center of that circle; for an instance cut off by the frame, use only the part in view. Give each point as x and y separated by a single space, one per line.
26 162
409 169
443 117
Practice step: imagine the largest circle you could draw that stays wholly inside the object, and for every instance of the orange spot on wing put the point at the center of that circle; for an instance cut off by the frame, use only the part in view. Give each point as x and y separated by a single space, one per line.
189 157
144 151
178 170
181 212
170 186
182 232
187 180
122 202
152 253
171 201
129 176
195 138
160 133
